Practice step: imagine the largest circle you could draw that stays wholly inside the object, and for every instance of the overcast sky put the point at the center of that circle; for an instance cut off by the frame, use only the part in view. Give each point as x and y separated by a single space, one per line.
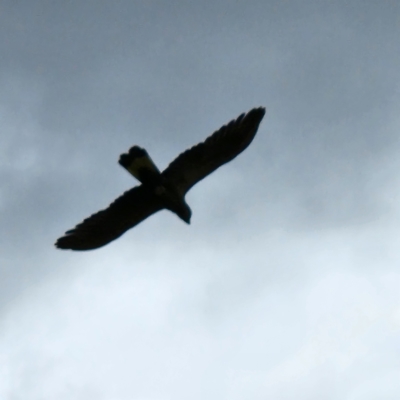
286 284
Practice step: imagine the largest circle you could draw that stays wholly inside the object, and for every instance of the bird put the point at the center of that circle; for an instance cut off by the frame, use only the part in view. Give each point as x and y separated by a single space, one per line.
162 190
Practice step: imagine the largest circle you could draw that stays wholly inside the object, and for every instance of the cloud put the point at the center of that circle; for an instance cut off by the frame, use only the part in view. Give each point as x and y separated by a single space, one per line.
285 283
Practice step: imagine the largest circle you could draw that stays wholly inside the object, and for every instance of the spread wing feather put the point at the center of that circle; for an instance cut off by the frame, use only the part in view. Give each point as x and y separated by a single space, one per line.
221 147
125 212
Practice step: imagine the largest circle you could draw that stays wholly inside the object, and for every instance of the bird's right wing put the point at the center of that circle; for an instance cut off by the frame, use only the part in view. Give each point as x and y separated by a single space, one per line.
221 147
125 212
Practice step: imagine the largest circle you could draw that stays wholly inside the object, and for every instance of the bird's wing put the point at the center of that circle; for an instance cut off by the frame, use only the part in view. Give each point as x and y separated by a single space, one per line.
222 146
125 212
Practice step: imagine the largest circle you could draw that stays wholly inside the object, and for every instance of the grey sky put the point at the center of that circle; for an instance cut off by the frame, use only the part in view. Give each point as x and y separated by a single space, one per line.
285 285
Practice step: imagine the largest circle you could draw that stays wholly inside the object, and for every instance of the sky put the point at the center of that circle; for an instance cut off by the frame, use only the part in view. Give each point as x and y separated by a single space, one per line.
286 284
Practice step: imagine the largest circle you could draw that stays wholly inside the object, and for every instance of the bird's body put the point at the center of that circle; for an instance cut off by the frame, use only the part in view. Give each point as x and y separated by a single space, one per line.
164 190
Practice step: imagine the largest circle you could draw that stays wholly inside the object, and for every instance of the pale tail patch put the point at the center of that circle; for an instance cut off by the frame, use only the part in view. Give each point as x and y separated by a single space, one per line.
139 164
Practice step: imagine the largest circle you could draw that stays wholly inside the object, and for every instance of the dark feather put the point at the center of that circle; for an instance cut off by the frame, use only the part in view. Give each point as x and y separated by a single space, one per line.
221 147
132 207
186 170
138 163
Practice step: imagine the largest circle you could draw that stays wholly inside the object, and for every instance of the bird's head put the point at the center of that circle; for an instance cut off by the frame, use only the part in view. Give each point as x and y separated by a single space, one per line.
184 213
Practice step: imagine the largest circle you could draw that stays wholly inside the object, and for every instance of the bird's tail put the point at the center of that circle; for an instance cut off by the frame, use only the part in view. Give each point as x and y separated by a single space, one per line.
138 163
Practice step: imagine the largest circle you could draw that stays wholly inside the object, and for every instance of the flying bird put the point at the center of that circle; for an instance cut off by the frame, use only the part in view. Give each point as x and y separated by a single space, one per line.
162 190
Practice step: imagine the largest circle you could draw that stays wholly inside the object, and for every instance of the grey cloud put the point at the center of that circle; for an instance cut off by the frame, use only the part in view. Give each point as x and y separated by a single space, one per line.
83 81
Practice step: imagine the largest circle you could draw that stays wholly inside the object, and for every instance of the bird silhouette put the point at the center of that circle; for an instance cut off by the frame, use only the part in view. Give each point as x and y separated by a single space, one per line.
162 190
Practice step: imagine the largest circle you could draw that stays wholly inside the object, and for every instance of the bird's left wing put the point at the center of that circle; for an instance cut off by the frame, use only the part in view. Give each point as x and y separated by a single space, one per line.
222 146
125 212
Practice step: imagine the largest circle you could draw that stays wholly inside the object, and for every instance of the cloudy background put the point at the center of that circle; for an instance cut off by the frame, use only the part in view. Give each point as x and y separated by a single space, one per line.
286 284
